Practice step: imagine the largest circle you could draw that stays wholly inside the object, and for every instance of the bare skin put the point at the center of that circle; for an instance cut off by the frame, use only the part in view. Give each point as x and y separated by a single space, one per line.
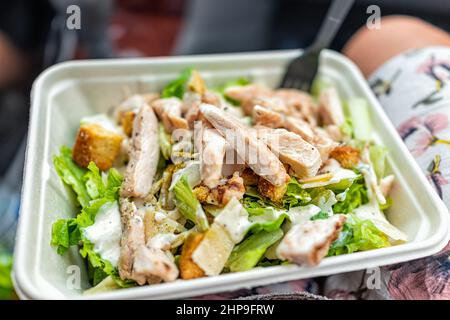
369 49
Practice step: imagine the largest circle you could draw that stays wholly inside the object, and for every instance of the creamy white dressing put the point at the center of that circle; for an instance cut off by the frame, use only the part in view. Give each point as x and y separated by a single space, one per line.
234 219
339 175
162 241
192 172
102 120
105 233
302 214
371 211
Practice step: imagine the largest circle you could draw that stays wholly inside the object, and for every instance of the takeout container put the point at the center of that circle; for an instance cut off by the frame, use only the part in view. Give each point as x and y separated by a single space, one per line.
64 93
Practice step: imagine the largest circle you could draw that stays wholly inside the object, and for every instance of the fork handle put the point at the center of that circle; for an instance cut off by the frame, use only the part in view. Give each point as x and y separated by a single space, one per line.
333 20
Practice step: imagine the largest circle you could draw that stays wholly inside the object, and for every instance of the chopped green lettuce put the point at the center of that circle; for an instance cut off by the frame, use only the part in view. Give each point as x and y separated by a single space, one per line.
177 87
238 82
164 142
358 112
355 196
358 235
378 158
101 189
295 195
72 175
319 84
6 285
188 204
248 253
324 199
320 216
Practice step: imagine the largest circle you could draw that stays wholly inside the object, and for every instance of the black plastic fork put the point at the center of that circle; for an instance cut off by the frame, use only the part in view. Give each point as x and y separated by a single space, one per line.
302 70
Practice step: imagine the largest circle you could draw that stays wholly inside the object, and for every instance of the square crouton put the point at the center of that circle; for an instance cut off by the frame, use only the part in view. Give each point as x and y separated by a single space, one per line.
97 144
126 121
188 268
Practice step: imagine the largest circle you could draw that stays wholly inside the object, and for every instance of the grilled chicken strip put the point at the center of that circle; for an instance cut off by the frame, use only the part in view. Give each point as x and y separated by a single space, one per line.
144 155
255 153
307 243
266 117
212 151
246 95
302 157
330 107
169 112
133 236
151 263
299 101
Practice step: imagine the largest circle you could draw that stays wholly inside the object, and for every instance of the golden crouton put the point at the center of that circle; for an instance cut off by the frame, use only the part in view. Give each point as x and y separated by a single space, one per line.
196 83
126 121
347 156
250 177
222 194
95 143
188 268
274 193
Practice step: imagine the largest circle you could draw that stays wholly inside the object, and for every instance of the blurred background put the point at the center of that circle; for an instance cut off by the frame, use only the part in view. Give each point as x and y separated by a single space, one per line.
34 35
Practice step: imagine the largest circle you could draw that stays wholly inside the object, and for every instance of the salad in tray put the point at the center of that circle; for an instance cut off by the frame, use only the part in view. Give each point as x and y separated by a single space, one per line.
197 181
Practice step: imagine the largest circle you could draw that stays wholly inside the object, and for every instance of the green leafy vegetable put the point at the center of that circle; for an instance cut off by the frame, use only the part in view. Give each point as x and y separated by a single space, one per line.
356 196
101 189
358 235
324 199
378 158
164 142
320 216
238 82
177 87
358 111
6 285
72 175
295 195
248 253
188 204
347 128
319 84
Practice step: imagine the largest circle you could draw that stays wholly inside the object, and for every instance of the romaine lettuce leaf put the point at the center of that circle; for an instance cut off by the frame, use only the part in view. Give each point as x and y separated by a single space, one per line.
72 175
164 142
188 204
324 199
358 235
238 82
358 111
249 252
6 285
100 189
378 158
177 87
295 195
356 196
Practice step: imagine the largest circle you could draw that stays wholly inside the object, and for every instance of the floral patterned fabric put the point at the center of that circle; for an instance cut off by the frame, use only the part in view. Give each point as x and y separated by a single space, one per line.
414 89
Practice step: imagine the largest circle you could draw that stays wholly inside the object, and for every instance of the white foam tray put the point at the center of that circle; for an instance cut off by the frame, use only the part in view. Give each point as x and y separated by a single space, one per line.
66 92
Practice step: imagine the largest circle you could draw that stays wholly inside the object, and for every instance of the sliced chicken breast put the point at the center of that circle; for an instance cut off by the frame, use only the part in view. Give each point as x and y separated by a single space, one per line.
133 236
246 95
330 107
169 112
266 117
151 263
254 152
212 151
302 157
144 155
307 243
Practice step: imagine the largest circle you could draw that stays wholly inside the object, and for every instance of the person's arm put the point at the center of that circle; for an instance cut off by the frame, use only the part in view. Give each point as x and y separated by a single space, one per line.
370 48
